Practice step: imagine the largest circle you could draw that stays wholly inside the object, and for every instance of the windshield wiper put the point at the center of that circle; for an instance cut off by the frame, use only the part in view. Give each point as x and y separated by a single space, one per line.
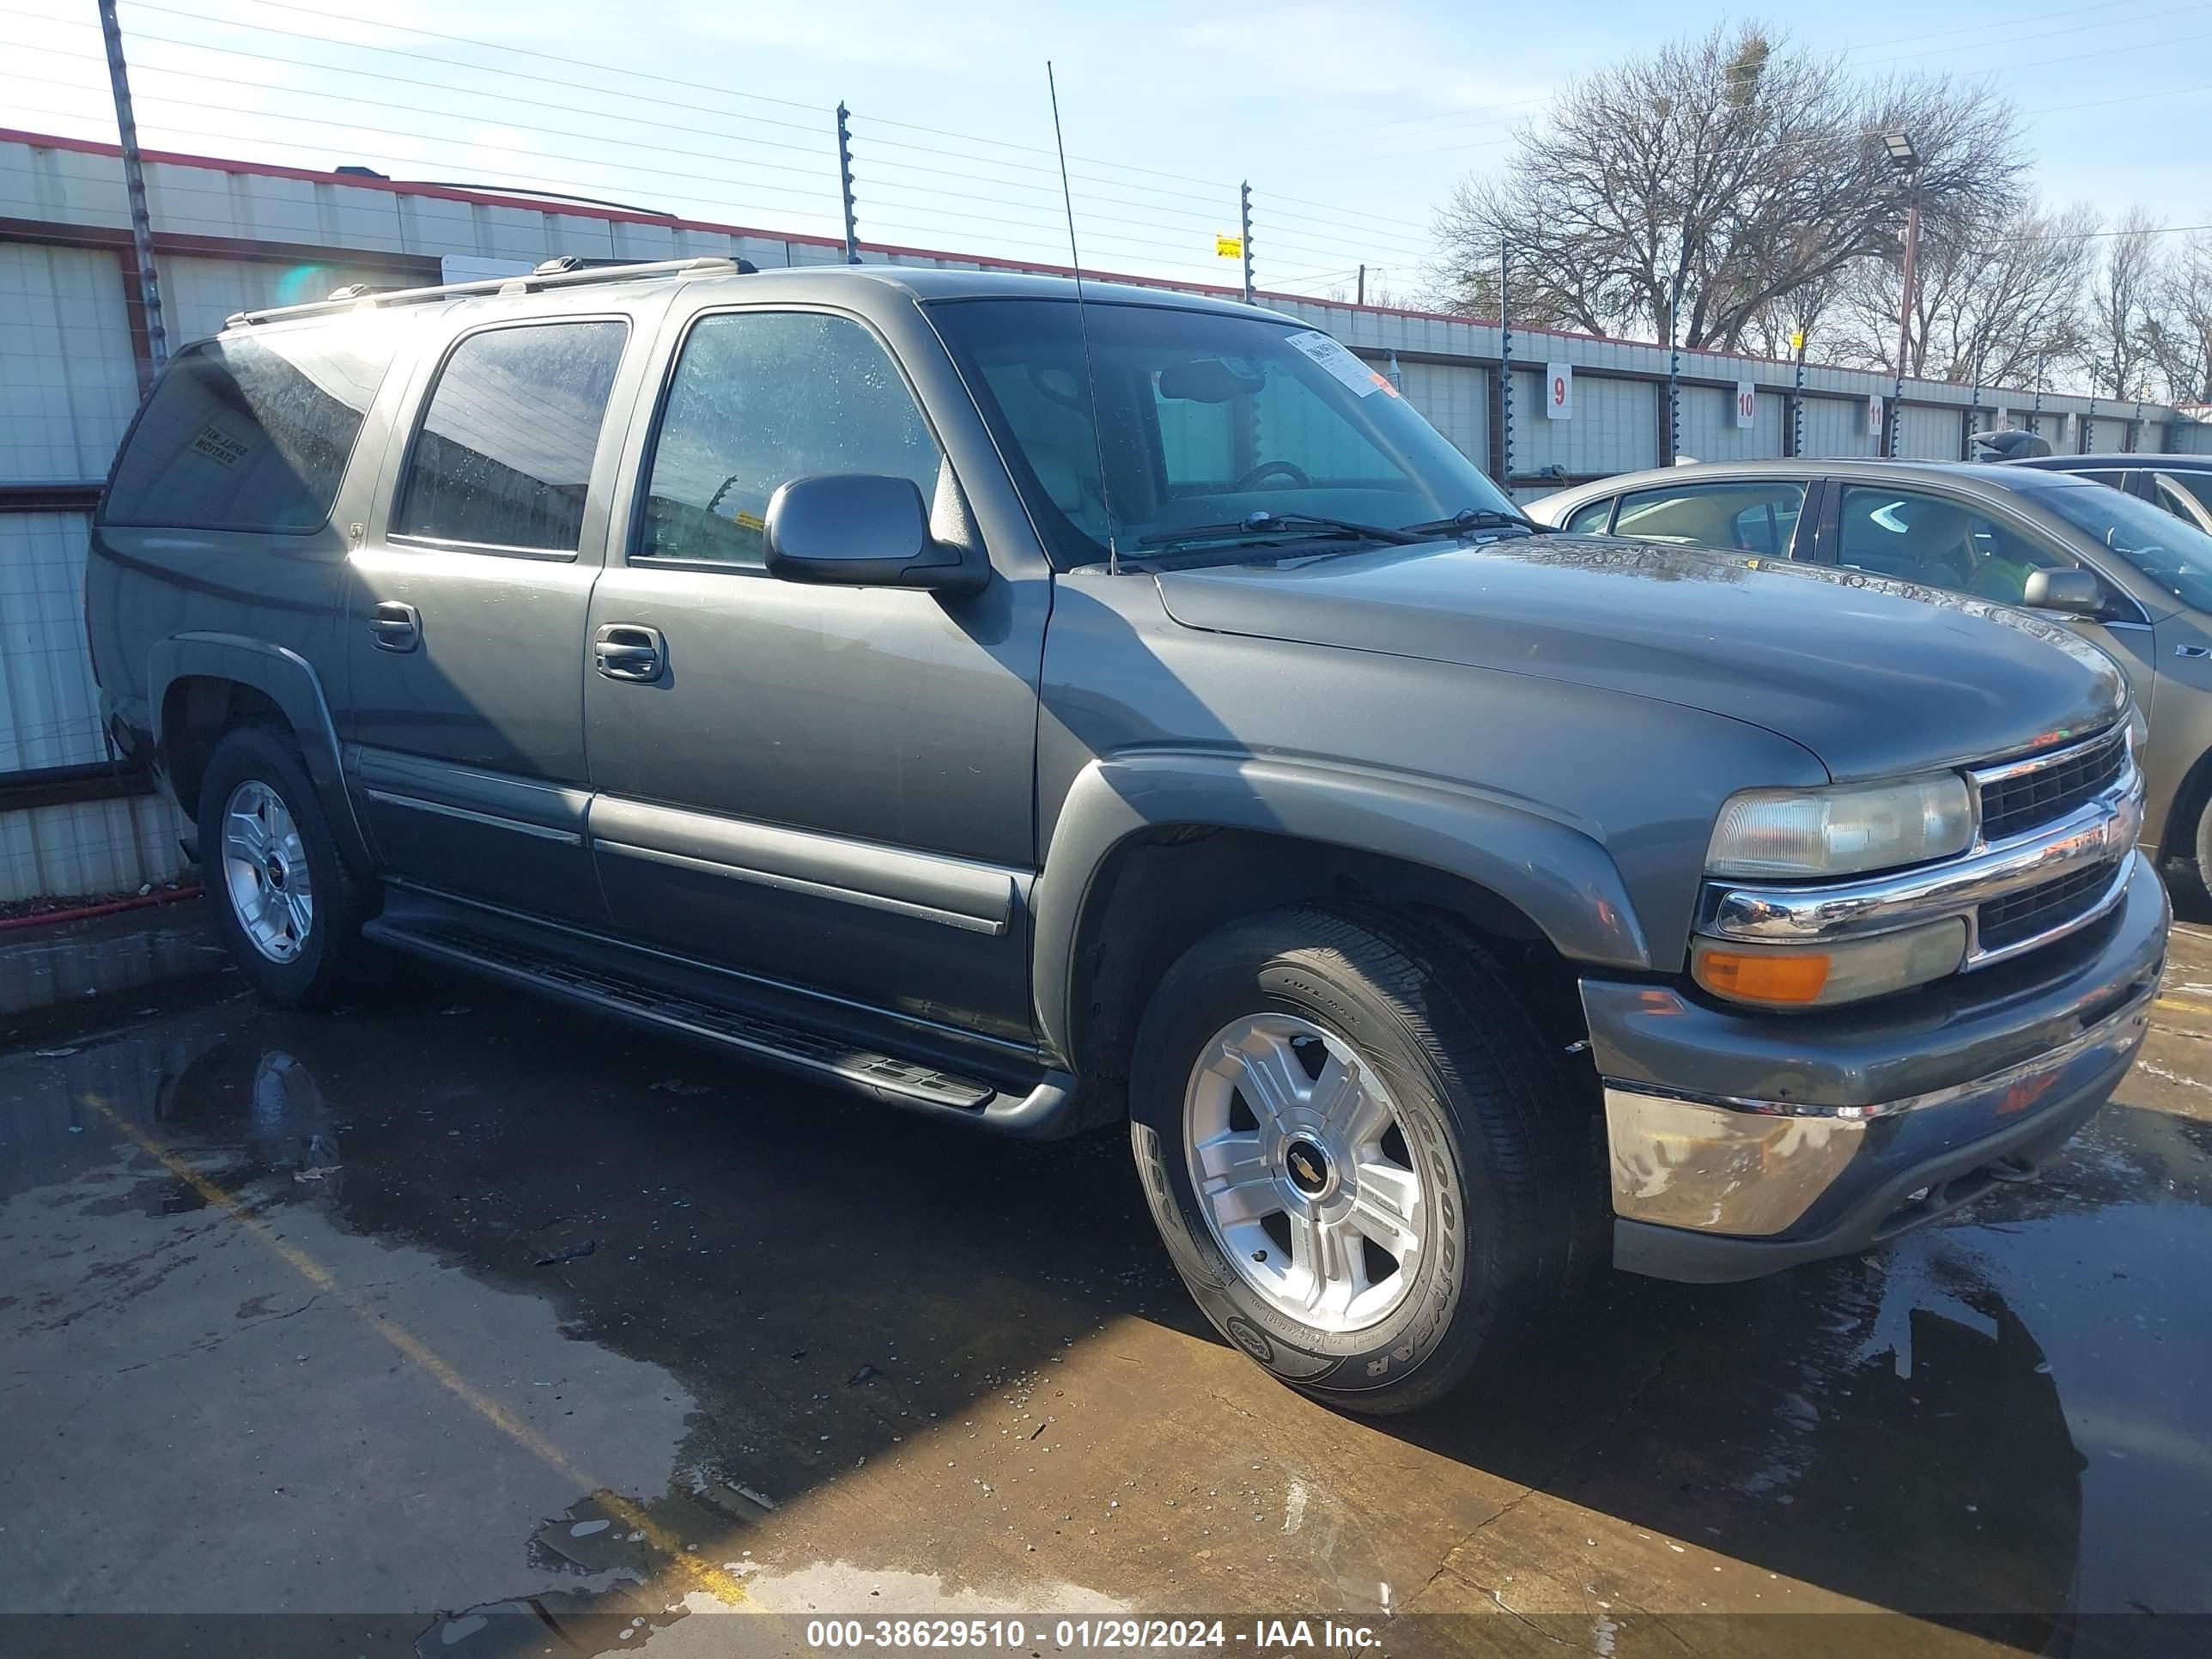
1264 523
1478 518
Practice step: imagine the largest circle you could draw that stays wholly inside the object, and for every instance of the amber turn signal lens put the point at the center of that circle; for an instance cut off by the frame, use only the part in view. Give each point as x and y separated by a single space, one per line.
1847 970
1763 976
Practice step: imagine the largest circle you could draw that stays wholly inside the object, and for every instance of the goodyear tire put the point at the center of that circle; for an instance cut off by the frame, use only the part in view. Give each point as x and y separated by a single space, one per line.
285 904
1368 1166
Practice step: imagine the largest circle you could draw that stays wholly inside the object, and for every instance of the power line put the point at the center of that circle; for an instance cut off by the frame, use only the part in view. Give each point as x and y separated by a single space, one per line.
824 168
154 96
1036 149
2042 35
564 108
474 68
1025 166
522 52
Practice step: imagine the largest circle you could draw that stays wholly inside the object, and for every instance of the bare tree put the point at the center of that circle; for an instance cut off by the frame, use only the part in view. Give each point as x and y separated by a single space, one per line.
1989 299
2122 301
1711 179
2178 335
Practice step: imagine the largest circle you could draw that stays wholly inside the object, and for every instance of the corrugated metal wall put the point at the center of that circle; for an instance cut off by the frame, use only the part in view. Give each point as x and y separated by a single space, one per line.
1455 399
1614 426
70 385
1836 427
1929 435
1710 431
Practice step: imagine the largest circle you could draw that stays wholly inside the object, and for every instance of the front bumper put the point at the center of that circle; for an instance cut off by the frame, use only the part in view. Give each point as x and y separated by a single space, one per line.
1741 1144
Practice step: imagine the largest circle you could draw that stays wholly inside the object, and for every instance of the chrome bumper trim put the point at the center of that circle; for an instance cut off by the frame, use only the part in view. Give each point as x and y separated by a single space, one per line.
2100 830
1753 1169
2113 1028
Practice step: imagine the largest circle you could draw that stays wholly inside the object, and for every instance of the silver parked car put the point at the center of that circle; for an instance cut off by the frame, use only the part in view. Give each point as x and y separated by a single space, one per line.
2133 577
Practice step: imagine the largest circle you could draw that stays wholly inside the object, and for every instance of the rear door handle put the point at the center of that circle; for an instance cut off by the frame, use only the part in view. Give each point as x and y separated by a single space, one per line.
628 651
397 627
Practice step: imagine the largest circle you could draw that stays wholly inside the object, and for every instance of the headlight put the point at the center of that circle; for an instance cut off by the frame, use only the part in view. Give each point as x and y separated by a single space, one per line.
1820 976
1784 833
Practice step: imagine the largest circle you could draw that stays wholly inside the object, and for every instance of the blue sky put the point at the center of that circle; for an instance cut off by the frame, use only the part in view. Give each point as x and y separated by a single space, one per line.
1352 122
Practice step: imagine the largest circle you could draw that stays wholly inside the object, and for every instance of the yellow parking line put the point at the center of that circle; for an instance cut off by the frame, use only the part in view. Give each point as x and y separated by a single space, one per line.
696 1572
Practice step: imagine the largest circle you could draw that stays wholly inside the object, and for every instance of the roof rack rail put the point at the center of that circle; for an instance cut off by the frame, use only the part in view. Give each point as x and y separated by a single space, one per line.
565 272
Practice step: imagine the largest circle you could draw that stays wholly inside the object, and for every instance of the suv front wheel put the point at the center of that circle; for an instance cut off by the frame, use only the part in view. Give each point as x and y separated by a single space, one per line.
1369 1168
286 905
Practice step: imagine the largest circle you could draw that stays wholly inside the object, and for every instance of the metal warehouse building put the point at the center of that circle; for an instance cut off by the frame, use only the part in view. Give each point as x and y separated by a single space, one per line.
231 236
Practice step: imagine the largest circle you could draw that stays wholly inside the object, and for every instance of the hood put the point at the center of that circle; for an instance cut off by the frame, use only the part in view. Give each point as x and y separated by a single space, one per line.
1875 678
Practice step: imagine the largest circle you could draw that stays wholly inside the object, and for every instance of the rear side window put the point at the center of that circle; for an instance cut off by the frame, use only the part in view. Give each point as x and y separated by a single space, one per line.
504 455
1746 518
252 433
1588 519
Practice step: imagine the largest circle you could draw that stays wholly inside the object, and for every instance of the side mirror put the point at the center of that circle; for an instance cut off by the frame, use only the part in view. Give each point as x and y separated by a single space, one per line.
861 530
2075 592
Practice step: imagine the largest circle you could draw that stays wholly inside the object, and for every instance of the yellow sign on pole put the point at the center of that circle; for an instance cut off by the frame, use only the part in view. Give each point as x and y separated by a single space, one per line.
1228 248
1797 340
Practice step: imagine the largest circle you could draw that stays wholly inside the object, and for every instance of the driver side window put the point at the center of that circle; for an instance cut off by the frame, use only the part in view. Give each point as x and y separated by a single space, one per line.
761 397
1938 542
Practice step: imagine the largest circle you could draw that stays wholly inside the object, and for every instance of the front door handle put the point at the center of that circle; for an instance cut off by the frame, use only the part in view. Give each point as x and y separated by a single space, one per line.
396 627
627 651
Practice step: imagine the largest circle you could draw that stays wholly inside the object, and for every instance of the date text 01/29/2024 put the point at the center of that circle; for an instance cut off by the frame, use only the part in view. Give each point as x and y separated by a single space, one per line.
1263 1635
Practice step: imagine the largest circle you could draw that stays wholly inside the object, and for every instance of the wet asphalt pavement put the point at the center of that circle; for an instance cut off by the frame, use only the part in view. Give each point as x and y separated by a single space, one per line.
456 1323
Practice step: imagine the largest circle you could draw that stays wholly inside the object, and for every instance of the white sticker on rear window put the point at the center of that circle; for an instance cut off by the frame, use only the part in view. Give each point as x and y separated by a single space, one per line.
1340 362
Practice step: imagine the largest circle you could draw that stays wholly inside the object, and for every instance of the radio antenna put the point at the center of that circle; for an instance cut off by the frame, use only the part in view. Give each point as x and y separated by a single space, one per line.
1083 323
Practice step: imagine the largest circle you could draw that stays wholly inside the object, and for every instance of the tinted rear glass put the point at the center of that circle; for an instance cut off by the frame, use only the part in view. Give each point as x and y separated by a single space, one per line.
251 432
504 456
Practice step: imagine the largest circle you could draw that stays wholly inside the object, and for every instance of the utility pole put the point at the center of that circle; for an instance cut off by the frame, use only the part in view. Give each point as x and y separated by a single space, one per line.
134 186
1673 374
845 186
1797 394
1504 367
1244 212
1362 298
1906 160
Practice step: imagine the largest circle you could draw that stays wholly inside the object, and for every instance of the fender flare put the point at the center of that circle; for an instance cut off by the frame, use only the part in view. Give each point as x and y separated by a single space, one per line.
1556 872
287 679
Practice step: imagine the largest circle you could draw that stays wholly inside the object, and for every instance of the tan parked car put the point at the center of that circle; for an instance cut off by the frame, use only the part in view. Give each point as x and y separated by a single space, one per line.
2115 568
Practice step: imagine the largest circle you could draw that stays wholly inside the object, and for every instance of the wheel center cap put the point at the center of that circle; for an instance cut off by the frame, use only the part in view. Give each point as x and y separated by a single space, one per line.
276 871
1309 1167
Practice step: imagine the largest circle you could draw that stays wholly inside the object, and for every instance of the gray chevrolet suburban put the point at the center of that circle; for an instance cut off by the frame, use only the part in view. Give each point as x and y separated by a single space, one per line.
1045 709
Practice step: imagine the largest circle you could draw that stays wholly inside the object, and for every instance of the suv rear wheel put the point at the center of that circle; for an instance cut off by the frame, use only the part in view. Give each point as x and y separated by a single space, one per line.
1368 1166
286 905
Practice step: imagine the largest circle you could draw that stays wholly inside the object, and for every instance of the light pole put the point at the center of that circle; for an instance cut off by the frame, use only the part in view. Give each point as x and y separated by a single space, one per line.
1906 160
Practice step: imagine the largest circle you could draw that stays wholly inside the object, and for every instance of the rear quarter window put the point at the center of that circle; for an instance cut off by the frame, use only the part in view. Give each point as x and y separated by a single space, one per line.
251 432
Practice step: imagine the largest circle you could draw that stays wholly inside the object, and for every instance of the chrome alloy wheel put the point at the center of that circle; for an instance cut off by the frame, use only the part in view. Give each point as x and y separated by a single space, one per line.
265 871
1304 1172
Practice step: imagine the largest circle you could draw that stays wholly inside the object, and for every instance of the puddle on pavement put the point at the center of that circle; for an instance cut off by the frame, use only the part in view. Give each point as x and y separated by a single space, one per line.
2002 1419
51 968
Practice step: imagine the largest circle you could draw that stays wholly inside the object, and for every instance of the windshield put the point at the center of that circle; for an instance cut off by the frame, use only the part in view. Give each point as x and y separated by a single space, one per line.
1206 420
2172 553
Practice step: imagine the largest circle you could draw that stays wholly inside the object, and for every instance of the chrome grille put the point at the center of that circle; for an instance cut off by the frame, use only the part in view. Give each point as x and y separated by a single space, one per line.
2027 794
2018 917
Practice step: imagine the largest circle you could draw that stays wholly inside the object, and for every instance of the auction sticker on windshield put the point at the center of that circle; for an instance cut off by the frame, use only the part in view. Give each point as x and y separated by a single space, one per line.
1341 363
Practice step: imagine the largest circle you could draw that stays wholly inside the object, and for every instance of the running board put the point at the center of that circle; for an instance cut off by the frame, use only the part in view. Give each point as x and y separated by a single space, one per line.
1043 1112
